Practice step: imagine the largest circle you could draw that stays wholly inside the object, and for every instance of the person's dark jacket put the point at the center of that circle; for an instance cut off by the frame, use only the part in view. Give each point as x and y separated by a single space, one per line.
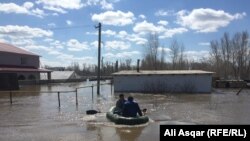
120 104
130 109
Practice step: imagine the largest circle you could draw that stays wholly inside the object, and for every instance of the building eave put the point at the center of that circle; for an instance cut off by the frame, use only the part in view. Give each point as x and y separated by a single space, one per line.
16 70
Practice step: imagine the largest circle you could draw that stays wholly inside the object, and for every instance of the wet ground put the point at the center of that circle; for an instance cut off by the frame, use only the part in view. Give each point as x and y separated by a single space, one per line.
36 116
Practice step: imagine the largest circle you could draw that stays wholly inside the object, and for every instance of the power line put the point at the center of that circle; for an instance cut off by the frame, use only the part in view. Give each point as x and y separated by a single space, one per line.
69 27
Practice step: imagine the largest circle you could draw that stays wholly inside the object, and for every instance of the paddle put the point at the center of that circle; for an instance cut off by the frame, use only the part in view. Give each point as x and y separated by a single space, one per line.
242 87
92 112
239 91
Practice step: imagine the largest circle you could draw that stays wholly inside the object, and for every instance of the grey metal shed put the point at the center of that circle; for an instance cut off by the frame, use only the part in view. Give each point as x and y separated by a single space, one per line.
165 81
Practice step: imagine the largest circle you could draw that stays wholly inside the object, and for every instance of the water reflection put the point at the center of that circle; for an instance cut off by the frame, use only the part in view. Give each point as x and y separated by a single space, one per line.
129 134
109 131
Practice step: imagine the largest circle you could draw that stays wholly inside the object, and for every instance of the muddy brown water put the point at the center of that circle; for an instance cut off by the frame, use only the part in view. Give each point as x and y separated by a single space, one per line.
36 116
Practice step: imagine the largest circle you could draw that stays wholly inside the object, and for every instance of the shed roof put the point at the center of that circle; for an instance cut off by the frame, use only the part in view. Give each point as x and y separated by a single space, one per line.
162 72
56 75
13 49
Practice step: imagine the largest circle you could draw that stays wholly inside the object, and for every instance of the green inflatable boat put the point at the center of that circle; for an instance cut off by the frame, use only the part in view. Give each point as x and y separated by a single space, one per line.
117 119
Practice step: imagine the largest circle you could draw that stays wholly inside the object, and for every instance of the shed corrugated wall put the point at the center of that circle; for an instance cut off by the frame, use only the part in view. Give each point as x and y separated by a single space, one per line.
180 83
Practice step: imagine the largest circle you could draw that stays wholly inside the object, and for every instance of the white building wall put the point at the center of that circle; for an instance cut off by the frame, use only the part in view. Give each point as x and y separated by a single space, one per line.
193 83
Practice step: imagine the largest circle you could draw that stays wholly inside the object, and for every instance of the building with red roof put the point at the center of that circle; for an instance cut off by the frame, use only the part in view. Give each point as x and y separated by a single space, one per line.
25 64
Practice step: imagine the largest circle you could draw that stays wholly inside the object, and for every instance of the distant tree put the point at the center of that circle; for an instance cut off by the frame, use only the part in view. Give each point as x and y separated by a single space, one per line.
226 53
74 67
242 55
128 64
125 64
215 56
150 60
177 55
162 59
231 57
182 58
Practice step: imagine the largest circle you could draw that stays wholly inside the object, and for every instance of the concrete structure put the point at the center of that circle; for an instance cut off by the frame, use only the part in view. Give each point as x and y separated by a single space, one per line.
179 81
21 62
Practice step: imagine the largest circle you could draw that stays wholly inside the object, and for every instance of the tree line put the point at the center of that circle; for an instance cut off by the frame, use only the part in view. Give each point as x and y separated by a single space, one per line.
229 58
107 67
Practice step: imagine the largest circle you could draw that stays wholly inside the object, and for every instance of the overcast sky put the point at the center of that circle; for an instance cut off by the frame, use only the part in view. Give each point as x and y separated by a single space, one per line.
63 31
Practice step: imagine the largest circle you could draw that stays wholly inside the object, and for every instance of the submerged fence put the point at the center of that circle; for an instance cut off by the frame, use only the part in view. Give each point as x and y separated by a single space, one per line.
59 92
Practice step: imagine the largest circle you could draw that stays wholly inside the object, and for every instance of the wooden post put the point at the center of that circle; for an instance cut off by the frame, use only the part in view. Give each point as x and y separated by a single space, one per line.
92 92
111 88
76 98
59 104
10 97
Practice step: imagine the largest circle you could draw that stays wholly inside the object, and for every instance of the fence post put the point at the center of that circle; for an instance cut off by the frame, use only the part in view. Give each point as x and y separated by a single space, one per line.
58 94
111 88
10 97
76 98
92 92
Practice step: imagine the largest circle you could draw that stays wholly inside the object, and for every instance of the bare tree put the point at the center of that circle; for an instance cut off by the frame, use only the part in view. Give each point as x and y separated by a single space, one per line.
181 60
128 63
177 55
74 67
150 60
215 55
243 55
174 47
235 62
240 57
232 55
162 61
226 48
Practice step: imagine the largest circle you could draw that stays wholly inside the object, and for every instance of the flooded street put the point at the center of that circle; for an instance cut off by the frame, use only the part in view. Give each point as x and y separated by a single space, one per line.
36 116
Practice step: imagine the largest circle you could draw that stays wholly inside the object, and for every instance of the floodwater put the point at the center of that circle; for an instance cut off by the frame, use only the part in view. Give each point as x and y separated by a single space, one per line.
36 116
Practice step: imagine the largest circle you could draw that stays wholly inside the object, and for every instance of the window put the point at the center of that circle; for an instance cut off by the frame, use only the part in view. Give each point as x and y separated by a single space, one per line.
21 77
23 60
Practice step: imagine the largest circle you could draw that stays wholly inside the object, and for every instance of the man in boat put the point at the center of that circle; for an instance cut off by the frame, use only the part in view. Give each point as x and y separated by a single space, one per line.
131 108
119 104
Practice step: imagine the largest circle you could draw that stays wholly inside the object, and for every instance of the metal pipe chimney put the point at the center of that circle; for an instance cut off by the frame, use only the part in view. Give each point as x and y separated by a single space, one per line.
138 65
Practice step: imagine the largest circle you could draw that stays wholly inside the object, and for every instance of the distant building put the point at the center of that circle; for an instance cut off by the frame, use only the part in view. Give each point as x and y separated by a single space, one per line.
169 81
56 68
20 62
61 75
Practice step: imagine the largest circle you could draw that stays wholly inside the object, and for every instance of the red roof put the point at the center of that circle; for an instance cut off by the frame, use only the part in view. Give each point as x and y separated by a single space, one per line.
17 69
12 49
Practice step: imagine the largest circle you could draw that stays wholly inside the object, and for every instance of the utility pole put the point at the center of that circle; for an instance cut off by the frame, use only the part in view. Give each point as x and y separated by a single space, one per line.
99 57
102 69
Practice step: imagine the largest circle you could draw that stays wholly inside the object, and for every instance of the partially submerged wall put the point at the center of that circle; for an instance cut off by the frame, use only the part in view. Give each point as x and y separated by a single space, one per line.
8 81
198 83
